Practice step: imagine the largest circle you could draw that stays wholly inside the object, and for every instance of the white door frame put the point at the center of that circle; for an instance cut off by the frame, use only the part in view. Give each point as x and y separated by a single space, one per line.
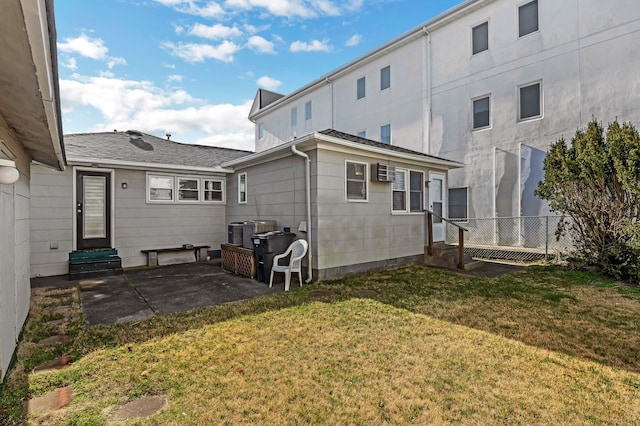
438 224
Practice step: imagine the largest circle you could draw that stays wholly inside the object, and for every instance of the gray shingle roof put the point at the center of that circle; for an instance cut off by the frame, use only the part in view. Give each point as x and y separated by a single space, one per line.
132 146
369 142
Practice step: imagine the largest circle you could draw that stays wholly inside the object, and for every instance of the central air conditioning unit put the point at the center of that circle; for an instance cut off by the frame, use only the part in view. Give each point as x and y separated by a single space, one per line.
383 173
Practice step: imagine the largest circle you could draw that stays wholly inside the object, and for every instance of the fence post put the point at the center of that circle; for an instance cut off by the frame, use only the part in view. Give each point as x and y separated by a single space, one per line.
546 238
460 248
430 234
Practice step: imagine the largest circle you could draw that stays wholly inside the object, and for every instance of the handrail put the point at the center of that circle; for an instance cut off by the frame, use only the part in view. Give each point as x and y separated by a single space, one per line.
447 220
461 230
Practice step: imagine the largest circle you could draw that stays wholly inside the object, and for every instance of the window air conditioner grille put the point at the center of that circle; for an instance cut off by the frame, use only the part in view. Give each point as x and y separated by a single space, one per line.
383 173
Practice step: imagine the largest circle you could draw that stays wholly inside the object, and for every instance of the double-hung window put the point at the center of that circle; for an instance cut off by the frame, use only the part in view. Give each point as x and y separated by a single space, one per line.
385 77
360 88
385 134
242 188
408 191
458 204
356 181
166 188
481 112
480 36
530 101
160 188
188 189
307 111
528 18
213 190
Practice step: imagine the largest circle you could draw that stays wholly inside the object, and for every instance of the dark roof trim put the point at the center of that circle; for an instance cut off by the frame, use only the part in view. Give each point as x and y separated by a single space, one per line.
53 46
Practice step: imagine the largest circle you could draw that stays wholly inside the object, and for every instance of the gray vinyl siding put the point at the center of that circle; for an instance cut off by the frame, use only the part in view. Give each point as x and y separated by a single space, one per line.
353 233
138 225
275 191
51 220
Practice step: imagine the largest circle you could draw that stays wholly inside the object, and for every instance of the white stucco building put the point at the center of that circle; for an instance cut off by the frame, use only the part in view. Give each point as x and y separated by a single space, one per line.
489 83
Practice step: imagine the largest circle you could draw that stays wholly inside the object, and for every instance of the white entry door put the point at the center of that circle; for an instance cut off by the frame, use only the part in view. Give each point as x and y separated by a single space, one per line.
437 203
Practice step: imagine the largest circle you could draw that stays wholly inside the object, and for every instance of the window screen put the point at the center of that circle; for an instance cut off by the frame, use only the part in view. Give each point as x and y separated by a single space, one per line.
480 38
385 78
530 101
458 203
481 116
360 89
528 18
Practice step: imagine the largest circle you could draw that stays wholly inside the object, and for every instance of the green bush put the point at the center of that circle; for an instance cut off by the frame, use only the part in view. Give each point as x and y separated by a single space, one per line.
596 183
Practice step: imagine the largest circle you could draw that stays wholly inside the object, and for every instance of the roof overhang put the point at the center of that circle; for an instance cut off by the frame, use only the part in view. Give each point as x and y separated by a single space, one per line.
321 141
133 165
29 93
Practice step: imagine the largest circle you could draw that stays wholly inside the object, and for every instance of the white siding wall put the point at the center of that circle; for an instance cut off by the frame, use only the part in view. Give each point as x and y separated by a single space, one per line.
336 106
352 233
585 56
138 225
14 251
277 124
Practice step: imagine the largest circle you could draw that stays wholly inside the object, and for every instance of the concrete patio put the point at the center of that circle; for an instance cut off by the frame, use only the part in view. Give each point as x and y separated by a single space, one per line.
145 292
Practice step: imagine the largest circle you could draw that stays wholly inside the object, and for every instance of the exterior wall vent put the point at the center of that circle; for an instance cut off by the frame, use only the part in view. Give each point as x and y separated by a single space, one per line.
383 173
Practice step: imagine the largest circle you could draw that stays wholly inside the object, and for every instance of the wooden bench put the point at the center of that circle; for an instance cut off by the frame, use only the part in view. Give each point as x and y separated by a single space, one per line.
199 251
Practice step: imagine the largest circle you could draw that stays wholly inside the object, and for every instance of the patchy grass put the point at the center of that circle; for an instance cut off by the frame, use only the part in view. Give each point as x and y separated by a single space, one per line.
543 346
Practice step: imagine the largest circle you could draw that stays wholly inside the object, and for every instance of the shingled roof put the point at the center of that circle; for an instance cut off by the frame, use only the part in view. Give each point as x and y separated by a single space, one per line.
376 144
133 146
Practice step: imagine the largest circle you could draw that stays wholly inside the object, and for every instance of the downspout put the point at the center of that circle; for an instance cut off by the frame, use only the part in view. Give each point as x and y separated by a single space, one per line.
307 176
426 127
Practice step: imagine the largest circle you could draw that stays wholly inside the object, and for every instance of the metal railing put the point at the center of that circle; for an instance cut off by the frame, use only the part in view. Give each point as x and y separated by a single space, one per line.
524 238
460 242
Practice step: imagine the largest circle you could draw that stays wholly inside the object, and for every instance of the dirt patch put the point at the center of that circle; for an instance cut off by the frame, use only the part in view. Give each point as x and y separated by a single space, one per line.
142 407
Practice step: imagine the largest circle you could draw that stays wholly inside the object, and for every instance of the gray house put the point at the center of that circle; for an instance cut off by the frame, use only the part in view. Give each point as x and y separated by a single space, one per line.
359 203
129 191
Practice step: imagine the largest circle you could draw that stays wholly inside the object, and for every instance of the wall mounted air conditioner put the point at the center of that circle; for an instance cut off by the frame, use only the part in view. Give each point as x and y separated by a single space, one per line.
383 172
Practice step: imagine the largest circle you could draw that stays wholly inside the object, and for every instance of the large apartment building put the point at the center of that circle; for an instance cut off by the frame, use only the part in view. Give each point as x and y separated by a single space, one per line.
488 83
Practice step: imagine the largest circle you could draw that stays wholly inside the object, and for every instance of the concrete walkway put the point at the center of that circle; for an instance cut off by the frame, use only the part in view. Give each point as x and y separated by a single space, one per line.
146 292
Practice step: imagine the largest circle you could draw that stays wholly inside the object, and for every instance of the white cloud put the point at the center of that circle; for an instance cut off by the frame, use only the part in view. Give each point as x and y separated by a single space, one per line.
192 52
170 66
214 32
312 46
204 9
70 64
260 45
131 104
354 40
112 62
268 83
175 77
84 45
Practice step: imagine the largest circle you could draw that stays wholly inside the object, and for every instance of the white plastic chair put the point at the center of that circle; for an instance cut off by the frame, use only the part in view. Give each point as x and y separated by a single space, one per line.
298 250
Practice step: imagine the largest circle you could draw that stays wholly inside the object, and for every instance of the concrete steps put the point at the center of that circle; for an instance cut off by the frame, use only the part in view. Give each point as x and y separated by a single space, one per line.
94 263
446 256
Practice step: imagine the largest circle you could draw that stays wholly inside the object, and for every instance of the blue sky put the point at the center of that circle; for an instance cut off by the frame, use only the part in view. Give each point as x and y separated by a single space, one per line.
191 67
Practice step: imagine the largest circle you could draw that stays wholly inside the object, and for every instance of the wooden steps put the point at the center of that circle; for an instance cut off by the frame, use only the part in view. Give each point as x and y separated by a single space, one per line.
94 263
446 256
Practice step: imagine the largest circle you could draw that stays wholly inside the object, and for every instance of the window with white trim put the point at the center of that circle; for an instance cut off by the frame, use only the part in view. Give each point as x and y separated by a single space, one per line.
166 188
530 101
294 116
160 188
482 113
408 191
385 134
356 181
480 38
188 189
528 18
385 77
307 111
458 204
242 188
213 190
360 88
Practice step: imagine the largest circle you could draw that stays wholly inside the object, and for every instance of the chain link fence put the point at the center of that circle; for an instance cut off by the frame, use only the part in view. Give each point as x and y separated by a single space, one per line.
525 238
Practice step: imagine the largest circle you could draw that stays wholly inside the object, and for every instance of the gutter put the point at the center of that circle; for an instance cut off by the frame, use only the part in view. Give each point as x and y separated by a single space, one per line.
307 176
134 165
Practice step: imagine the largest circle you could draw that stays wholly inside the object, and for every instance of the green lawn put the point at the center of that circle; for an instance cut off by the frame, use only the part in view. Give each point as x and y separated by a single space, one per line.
544 346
